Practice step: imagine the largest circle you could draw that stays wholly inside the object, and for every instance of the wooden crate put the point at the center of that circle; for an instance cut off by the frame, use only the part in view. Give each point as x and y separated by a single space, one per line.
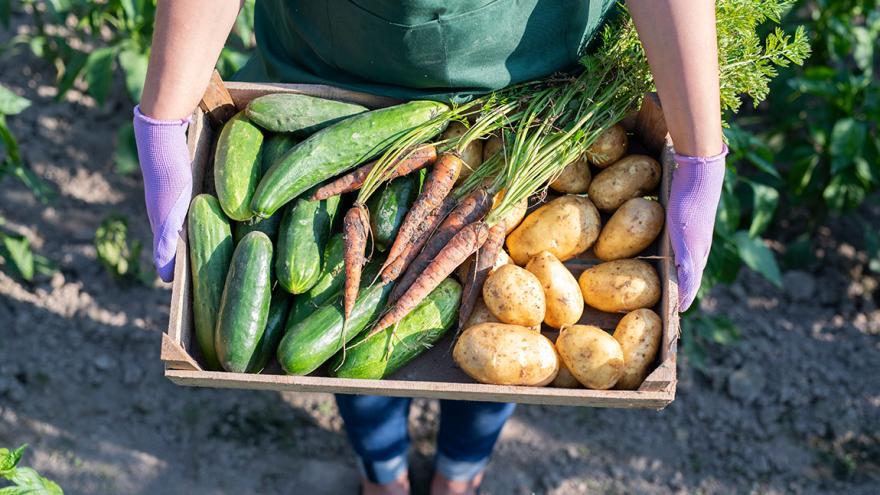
432 375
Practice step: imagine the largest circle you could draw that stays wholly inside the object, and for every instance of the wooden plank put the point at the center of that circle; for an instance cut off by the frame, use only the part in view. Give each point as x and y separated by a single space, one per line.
175 357
243 93
217 102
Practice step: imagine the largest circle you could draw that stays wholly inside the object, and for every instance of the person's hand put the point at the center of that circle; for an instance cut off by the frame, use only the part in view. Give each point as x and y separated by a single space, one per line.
165 165
690 218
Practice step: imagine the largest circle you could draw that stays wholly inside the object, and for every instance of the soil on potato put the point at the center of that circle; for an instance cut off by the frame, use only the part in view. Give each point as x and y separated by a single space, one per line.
792 407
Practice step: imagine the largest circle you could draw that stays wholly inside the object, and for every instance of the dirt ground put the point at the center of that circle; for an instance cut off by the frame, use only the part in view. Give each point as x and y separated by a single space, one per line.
793 407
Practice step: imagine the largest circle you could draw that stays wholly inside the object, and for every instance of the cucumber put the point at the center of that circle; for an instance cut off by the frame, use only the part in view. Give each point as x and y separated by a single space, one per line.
305 229
237 166
338 148
279 307
244 306
210 251
298 114
388 209
309 343
329 284
388 351
274 147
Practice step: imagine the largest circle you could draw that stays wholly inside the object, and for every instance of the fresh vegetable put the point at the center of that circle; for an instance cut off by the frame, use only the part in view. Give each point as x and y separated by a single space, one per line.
329 284
631 229
337 149
298 114
382 354
638 334
574 179
628 178
479 314
355 228
565 304
514 295
620 285
210 251
503 354
564 379
492 145
305 229
501 259
482 263
274 147
591 355
237 166
244 306
279 308
515 216
417 159
393 268
471 155
566 226
388 209
609 147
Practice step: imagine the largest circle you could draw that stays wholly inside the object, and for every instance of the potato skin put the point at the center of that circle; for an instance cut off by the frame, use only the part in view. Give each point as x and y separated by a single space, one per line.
630 177
493 144
461 272
480 314
564 378
631 229
564 301
472 156
620 285
639 335
566 226
515 216
591 355
609 148
575 177
506 355
514 295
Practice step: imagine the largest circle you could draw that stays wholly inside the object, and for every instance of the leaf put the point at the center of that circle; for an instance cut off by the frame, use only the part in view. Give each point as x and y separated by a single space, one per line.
758 257
11 103
99 72
76 61
847 138
32 483
728 216
863 51
765 199
17 252
10 144
125 155
134 66
10 458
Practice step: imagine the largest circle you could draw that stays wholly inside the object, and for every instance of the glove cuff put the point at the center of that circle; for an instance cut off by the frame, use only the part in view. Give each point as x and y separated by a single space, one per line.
682 160
142 119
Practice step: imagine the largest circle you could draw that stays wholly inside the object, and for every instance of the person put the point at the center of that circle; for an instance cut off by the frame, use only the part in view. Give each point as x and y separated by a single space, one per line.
443 50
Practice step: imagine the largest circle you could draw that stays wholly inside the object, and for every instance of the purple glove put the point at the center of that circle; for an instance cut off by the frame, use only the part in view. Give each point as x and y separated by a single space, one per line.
690 217
165 165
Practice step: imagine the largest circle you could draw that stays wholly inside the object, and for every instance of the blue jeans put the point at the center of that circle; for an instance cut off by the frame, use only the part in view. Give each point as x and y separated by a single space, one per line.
377 429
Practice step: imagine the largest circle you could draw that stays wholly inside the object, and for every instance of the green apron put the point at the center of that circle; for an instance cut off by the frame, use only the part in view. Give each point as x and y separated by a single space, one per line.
431 49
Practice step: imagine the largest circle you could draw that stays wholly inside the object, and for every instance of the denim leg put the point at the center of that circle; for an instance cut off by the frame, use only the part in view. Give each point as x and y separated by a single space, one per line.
468 431
377 430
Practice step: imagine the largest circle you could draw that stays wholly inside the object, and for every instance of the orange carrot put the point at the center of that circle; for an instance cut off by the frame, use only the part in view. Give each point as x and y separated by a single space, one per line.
465 243
355 229
421 157
424 230
478 272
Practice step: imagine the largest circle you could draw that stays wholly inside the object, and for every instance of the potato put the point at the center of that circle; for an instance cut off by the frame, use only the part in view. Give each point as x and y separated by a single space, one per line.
591 355
566 226
630 177
631 229
516 215
609 148
472 156
493 144
480 314
639 336
500 260
564 378
620 285
514 295
506 355
565 304
574 179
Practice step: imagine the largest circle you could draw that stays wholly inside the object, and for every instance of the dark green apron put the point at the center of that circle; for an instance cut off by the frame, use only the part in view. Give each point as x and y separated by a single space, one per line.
408 49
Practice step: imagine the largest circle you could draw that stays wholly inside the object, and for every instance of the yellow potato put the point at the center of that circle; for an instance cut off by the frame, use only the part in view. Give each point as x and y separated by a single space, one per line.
492 145
628 178
515 296
631 229
472 156
564 379
574 179
480 314
516 215
565 304
566 226
591 355
620 285
639 336
506 355
462 271
609 148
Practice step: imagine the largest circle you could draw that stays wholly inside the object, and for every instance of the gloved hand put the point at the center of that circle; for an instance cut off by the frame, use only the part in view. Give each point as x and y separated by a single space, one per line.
690 218
165 165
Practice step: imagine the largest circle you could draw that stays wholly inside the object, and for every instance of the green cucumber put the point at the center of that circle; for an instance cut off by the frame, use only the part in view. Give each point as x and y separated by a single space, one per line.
279 307
386 352
299 114
389 207
274 147
210 251
237 166
305 229
244 306
329 284
309 343
338 148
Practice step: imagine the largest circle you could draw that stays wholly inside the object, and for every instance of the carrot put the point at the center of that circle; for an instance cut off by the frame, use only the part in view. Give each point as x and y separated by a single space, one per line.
479 271
393 268
474 207
419 158
462 245
355 228
437 186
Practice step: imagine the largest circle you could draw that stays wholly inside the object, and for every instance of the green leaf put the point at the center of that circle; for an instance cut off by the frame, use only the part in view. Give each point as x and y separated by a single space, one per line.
729 214
765 199
758 257
125 155
11 103
134 66
863 51
16 250
99 72
76 61
847 139
10 458
10 144
32 483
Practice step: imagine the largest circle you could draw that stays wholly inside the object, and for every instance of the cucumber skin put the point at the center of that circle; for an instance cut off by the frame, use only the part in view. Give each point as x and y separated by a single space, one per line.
274 147
303 234
338 148
329 284
279 307
388 351
389 207
298 114
210 252
244 306
237 166
309 343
